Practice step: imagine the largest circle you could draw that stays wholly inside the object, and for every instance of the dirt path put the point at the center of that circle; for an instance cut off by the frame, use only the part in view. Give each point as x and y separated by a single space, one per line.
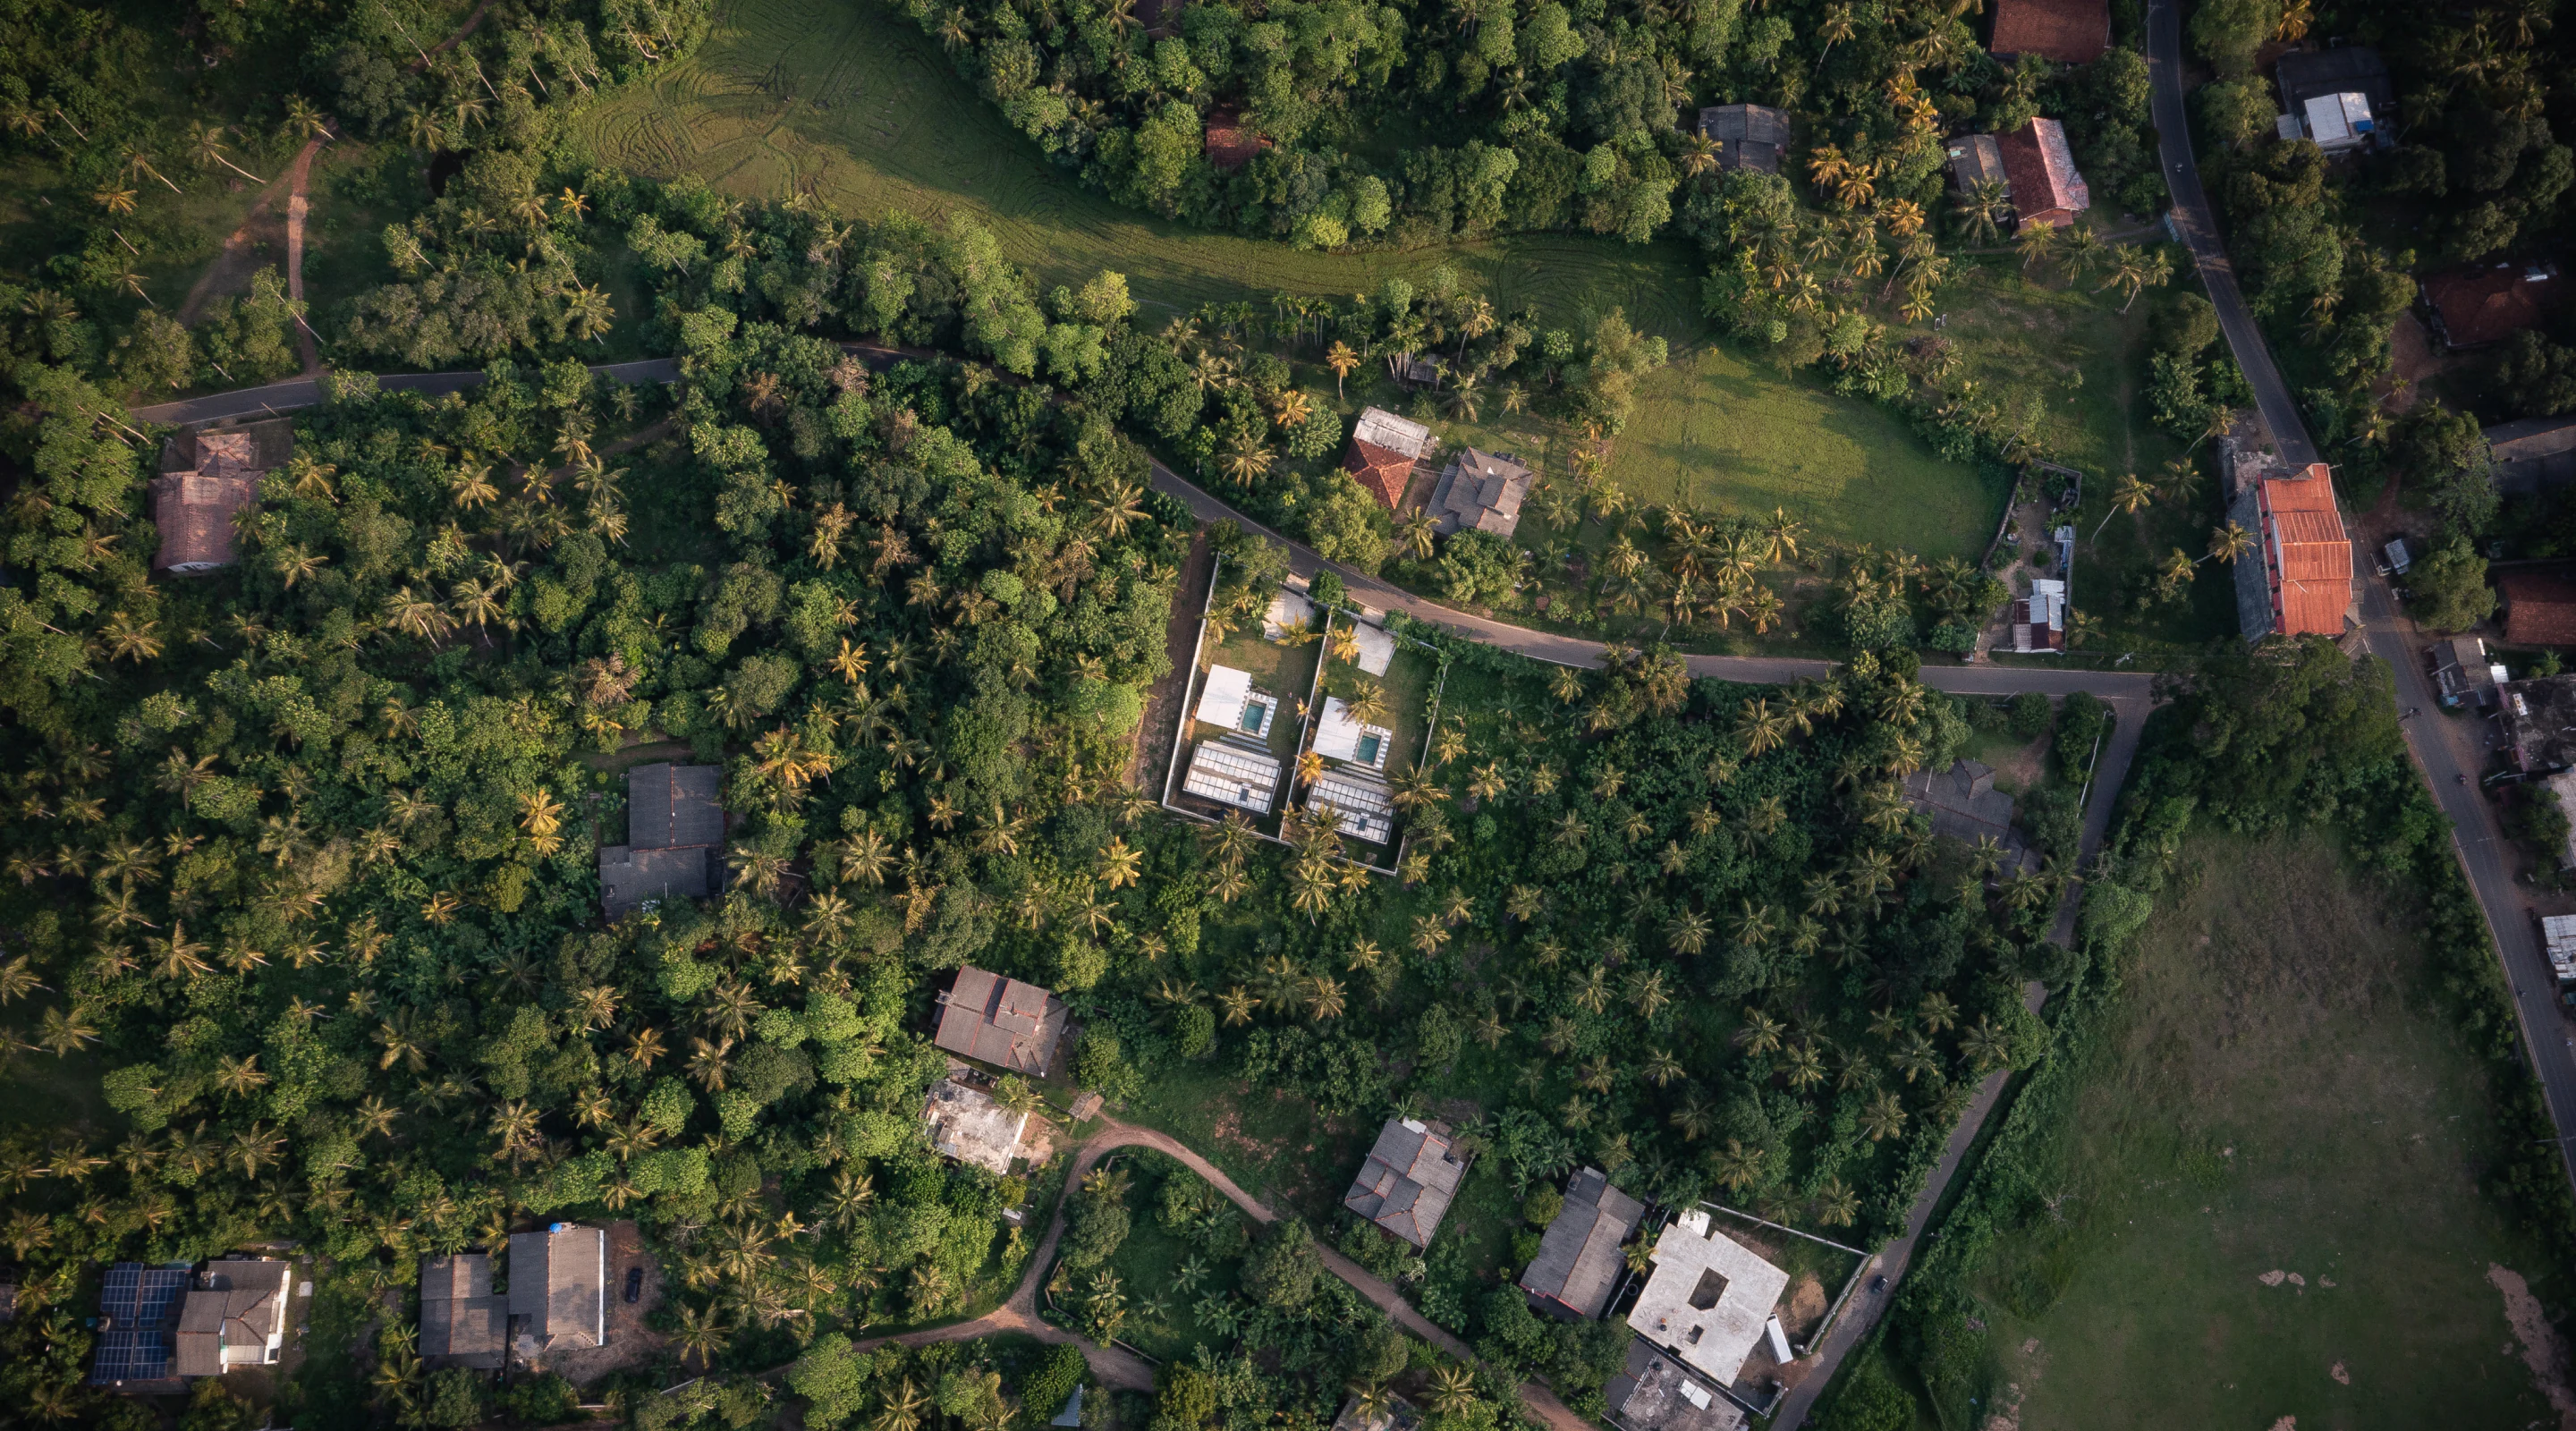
1118 1367
230 271
1153 749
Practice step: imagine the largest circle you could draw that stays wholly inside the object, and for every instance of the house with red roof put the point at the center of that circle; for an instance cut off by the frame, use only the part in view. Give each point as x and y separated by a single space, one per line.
1384 448
2072 32
2039 166
2539 608
2307 556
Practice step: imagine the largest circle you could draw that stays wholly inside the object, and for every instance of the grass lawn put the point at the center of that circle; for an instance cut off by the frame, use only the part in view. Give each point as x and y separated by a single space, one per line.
1160 1316
2274 1101
1282 671
1271 1143
856 105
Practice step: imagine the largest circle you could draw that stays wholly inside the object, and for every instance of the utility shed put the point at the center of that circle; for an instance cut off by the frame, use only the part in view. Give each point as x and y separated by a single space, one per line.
1976 158
2558 933
1578 1262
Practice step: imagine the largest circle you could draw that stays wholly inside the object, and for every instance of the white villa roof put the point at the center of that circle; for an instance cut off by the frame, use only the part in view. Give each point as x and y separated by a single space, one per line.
1708 1298
1221 696
1380 428
1377 648
1233 775
1359 805
1285 607
1337 736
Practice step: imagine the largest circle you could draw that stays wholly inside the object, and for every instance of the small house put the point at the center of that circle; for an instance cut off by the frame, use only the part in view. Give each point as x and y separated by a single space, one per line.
207 478
2539 608
1709 1301
1579 1262
2046 188
234 1316
1007 1023
1383 449
1228 703
674 839
2533 455
2558 939
461 1322
2071 32
1480 491
2339 123
2039 620
2356 70
2463 674
558 1289
1748 136
1406 1182
972 1126
2537 718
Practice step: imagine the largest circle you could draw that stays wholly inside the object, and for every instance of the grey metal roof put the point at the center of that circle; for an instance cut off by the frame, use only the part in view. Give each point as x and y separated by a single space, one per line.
1749 136
558 1281
1407 1181
1578 1260
1004 1022
628 876
673 806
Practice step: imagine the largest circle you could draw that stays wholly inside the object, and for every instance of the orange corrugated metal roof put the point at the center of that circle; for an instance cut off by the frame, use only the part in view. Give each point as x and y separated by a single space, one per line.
2308 557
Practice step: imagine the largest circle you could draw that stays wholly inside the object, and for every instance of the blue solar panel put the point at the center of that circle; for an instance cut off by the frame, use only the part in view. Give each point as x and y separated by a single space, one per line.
140 1304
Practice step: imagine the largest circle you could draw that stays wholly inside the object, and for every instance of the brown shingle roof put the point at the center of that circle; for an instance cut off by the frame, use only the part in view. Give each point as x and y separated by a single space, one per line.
2074 32
2539 608
1407 1181
1382 471
1000 1021
2045 185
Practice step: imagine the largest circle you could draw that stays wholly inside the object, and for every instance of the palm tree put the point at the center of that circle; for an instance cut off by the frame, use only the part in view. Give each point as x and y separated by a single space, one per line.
2037 243
1343 361
1453 1390
1980 209
1687 932
2129 496
208 146
1883 1118
1760 1033
1737 1166
2229 543
1986 1045
1418 533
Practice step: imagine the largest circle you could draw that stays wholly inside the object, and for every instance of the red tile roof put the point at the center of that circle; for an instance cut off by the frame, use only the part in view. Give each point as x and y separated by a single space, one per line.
2046 189
1383 471
2539 609
2307 558
2484 305
2074 32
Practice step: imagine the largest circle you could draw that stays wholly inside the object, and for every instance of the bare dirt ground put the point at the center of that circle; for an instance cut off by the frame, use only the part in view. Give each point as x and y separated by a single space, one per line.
1162 704
2543 1349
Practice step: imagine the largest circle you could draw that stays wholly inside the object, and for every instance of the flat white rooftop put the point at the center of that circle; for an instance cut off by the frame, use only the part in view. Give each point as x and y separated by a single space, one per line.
1708 1298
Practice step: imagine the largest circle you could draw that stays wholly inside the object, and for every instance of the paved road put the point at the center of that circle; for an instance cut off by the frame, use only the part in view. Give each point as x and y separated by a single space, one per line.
307 392
2194 217
2448 747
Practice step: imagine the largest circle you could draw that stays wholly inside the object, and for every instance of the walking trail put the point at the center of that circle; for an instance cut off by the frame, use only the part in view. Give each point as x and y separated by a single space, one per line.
1116 1366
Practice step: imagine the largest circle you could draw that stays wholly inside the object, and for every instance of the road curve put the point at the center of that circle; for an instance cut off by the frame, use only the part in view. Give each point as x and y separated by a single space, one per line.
1115 1366
2194 218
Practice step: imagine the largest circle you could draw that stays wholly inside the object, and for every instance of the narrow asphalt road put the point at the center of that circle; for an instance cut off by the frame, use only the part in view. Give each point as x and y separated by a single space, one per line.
2197 221
2448 748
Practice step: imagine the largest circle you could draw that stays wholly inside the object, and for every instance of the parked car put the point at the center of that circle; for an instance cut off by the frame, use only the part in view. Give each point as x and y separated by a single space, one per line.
634 1284
1878 1284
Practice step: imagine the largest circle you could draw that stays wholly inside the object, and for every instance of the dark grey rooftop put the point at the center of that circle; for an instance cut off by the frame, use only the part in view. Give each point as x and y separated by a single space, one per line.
1579 1261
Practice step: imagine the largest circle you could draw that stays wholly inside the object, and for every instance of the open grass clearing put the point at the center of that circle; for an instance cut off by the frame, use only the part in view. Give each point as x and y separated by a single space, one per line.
858 107
2275 1100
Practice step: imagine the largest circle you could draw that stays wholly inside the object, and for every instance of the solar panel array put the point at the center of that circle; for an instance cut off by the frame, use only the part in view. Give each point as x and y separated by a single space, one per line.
139 1304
